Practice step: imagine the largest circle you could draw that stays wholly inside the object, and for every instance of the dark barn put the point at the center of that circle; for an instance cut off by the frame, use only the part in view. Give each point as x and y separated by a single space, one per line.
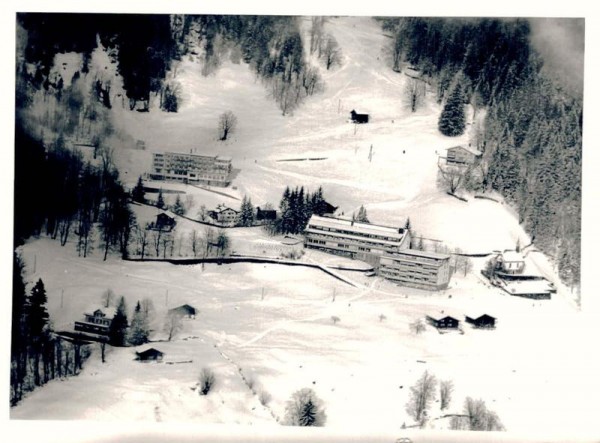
149 355
164 222
483 321
184 311
446 322
355 117
265 215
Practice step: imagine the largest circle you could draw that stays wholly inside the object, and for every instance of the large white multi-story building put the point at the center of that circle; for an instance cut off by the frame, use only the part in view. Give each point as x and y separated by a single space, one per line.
363 241
384 247
419 269
191 168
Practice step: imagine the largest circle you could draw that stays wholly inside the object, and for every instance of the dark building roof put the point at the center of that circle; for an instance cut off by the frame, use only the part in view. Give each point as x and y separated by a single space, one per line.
359 118
482 320
266 214
149 354
183 310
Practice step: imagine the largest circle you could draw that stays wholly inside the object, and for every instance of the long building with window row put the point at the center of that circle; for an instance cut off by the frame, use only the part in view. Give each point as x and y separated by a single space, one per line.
419 269
363 241
191 168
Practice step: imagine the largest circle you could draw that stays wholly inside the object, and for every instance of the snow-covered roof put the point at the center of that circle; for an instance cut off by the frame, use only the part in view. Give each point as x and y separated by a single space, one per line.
424 254
512 256
109 312
361 229
437 316
466 148
524 287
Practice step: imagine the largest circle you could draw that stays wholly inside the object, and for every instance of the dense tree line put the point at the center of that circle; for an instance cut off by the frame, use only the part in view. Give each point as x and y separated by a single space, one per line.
143 47
58 194
296 207
38 355
270 45
531 138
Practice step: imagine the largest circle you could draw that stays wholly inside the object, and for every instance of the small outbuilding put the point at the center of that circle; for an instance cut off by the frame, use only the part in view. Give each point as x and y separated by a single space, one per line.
484 321
265 215
446 322
355 117
150 355
164 222
186 311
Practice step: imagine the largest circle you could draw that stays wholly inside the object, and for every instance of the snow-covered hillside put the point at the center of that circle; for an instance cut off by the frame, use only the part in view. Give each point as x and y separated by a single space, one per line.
527 370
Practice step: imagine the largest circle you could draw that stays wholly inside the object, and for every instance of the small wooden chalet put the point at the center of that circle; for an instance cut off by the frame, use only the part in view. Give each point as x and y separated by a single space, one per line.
185 311
265 215
484 321
98 322
164 222
149 355
446 322
224 215
355 117
462 155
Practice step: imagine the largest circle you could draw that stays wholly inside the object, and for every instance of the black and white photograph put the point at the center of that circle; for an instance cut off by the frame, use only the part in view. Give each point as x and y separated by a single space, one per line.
363 224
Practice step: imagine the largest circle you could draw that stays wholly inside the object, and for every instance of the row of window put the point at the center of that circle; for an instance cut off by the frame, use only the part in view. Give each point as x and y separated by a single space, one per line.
355 242
358 234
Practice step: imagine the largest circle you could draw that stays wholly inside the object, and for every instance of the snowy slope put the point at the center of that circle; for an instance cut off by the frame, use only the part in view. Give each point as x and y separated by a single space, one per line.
528 370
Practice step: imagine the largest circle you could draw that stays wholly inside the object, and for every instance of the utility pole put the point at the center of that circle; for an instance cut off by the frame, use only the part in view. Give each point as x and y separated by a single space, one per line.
167 298
262 295
62 293
333 298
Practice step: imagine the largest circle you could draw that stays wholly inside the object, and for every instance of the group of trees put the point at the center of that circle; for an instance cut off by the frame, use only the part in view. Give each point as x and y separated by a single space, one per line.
531 138
142 46
297 206
37 353
271 45
58 194
476 416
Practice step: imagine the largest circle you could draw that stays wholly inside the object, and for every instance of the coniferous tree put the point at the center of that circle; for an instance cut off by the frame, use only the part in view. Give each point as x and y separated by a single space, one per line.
138 193
160 201
452 119
178 207
37 321
246 212
139 331
118 326
362 215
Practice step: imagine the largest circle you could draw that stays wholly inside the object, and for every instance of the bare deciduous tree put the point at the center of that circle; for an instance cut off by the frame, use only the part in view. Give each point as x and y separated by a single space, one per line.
107 297
227 125
397 50
417 326
414 93
194 242
316 33
451 177
173 325
477 418
446 389
331 53
421 396
141 235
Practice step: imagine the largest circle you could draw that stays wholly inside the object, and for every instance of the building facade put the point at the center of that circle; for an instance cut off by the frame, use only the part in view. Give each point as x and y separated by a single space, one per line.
224 215
363 241
191 168
461 155
98 322
417 269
